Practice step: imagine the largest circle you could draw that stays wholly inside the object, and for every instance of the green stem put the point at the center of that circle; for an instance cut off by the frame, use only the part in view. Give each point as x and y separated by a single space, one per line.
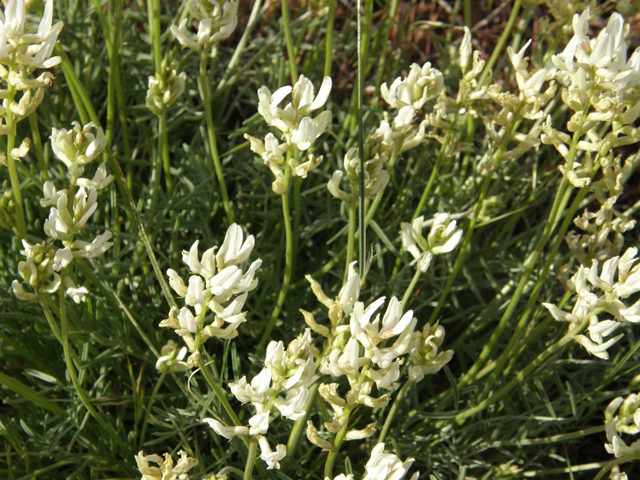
288 258
219 392
251 458
394 408
288 38
211 134
530 264
71 369
149 406
153 8
351 238
11 163
37 142
497 51
328 51
524 373
337 442
362 227
412 285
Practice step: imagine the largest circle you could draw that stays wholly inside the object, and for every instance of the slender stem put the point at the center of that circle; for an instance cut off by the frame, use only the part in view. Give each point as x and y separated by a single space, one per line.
149 406
288 258
37 142
328 51
251 458
11 163
412 285
218 391
362 213
52 322
288 38
211 134
155 185
497 51
524 373
351 238
394 408
72 371
154 29
337 442
235 59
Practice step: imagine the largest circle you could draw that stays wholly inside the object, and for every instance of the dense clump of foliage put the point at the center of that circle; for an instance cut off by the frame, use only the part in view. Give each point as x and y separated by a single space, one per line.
319 240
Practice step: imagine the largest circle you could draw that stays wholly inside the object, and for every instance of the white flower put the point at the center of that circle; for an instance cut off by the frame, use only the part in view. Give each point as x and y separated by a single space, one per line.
224 431
31 49
62 259
421 84
443 238
166 470
386 466
259 424
271 458
233 251
79 145
292 120
165 89
216 22
100 179
90 250
293 406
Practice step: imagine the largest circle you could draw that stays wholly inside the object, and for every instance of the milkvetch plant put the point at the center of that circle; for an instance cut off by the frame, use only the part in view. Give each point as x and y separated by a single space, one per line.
461 311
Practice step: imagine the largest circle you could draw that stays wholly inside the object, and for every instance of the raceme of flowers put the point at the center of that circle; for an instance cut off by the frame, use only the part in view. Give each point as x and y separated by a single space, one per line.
69 213
24 49
289 372
358 348
214 294
589 304
216 19
443 238
384 466
297 128
622 416
166 470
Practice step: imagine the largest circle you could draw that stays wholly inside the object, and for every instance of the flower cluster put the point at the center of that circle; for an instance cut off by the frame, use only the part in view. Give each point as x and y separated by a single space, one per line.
288 372
217 288
70 210
601 85
165 469
165 88
358 348
443 238
384 466
375 177
297 128
21 53
217 19
391 138
588 304
425 355
622 416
